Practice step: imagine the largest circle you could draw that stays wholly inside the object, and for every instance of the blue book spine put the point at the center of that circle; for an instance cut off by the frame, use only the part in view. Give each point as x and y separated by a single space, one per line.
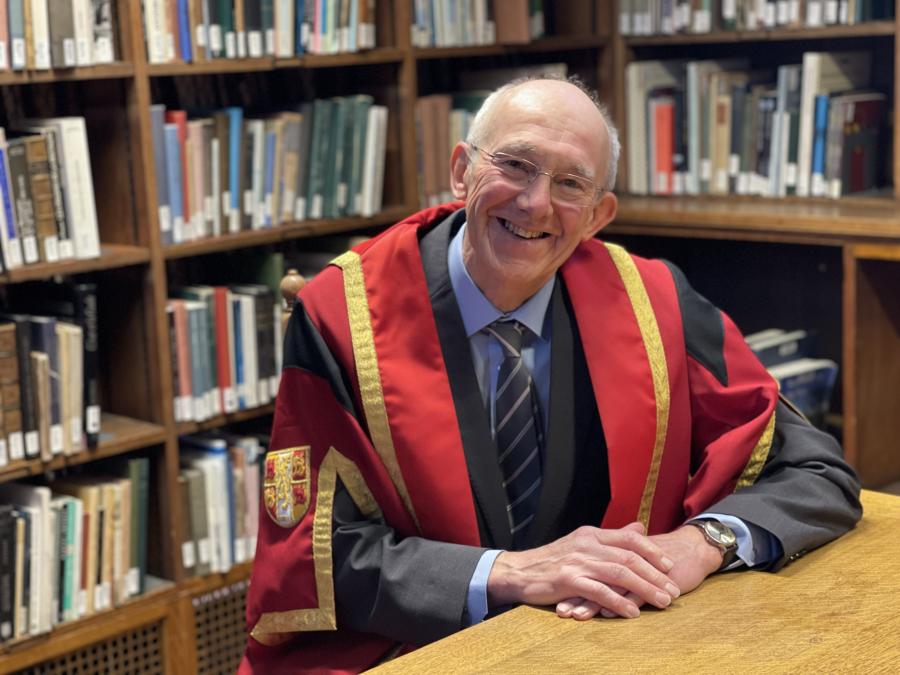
238 355
173 172
235 133
269 180
13 256
184 31
353 31
821 127
298 28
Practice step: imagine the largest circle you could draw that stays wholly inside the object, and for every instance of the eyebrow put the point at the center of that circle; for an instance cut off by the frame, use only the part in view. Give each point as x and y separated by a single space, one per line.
529 149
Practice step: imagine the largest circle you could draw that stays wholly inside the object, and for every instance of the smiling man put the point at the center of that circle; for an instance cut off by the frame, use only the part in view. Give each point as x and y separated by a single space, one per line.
486 405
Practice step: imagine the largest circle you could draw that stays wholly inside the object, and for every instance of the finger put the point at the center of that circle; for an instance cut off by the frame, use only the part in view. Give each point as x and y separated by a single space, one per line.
631 538
577 608
603 597
631 574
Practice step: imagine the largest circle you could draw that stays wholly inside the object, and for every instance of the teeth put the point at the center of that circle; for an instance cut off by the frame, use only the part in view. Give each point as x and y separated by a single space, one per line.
525 234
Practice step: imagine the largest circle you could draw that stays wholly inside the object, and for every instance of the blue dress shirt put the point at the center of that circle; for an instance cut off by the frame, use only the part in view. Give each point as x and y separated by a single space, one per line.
477 312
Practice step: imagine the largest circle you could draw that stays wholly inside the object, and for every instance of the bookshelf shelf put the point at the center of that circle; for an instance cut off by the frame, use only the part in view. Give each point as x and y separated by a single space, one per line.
558 43
862 30
380 55
112 256
119 435
153 606
833 222
288 231
224 66
110 71
184 428
210 582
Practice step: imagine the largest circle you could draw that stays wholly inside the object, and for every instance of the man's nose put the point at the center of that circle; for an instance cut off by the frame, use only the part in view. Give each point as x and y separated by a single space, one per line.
536 196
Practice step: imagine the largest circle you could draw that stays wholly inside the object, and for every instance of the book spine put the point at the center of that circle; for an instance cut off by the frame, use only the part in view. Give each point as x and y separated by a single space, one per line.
87 318
42 198
62 35
66 244
12 249
175 181
43 337
18 167
28 398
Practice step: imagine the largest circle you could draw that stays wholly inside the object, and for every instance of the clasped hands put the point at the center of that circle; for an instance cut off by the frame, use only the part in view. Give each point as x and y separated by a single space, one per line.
608 572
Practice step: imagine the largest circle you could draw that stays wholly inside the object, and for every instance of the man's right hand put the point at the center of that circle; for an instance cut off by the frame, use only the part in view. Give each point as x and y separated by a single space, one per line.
589 563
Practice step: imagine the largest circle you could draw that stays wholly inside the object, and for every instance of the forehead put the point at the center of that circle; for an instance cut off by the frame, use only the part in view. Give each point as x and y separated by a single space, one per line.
556 125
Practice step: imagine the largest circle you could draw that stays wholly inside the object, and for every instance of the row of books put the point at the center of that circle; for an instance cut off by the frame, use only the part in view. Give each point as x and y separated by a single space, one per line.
226 345
72 547
225 173
49 373
219 488
717 127
47 193
441 121
667 17
45 34
457 23
200 30
805 380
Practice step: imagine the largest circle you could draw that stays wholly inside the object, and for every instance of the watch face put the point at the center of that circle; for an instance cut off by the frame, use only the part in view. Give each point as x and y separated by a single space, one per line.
721 533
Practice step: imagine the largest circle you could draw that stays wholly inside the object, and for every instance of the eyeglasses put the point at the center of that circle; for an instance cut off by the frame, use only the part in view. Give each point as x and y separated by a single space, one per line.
566 188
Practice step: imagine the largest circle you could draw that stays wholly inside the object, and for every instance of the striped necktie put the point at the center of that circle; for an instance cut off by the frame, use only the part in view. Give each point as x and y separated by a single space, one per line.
517 431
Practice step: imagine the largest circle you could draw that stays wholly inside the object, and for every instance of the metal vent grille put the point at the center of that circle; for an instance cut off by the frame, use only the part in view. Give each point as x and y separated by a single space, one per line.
138 651
221 629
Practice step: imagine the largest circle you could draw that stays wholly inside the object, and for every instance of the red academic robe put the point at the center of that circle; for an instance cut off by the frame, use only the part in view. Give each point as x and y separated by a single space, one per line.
677 439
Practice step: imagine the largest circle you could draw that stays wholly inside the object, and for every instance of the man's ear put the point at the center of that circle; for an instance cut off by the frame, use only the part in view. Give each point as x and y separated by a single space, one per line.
602 214
459 162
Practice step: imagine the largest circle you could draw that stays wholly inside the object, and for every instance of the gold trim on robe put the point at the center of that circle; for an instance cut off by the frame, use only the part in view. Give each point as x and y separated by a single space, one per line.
656 357
275 627
366 359
758 456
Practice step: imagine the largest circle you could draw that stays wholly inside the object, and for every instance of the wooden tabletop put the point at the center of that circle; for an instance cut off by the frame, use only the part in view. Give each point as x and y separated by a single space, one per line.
834 610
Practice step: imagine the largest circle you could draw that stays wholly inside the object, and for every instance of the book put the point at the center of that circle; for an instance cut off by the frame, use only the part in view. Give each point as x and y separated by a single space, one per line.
77 182
21 190
62 35
197 516
28 444
824 73
35 500
104 37
44 340
10 395
373 172
65 244
807 383
10 242
160 162
7 571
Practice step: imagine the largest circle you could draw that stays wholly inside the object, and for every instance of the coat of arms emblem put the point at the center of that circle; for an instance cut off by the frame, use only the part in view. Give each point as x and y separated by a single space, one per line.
286 485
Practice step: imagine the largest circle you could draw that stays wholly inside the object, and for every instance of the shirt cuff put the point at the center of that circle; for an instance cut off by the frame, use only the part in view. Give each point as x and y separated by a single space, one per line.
756 547
476 600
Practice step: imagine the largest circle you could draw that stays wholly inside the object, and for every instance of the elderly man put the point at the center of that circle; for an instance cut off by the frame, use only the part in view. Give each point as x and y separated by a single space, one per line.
486 405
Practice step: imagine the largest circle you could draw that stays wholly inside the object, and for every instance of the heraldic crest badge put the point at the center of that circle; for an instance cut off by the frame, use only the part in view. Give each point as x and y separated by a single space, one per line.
286 485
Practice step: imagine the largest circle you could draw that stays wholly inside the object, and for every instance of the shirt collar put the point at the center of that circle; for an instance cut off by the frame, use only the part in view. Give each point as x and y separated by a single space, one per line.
477 311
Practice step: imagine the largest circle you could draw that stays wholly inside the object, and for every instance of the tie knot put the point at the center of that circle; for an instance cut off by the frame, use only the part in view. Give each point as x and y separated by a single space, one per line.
509 335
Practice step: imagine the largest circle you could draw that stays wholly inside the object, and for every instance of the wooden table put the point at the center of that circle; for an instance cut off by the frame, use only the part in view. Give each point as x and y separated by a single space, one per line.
836 610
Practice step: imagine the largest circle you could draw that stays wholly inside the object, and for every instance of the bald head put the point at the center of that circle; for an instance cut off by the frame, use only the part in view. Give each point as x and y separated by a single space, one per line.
568 101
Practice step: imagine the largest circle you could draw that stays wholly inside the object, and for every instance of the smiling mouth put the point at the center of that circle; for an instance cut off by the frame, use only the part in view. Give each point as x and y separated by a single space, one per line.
519 232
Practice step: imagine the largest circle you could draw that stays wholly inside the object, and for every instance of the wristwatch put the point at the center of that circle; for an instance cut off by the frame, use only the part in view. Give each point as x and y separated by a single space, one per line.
719 535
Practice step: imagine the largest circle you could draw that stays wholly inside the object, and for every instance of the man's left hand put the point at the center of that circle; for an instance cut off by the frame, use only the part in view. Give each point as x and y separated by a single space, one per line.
694 558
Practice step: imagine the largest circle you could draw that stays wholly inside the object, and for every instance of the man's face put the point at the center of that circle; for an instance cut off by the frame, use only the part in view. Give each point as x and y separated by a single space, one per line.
516 238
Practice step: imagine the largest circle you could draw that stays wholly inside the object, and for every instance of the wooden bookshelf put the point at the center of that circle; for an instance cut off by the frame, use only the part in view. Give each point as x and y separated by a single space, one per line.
862 235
